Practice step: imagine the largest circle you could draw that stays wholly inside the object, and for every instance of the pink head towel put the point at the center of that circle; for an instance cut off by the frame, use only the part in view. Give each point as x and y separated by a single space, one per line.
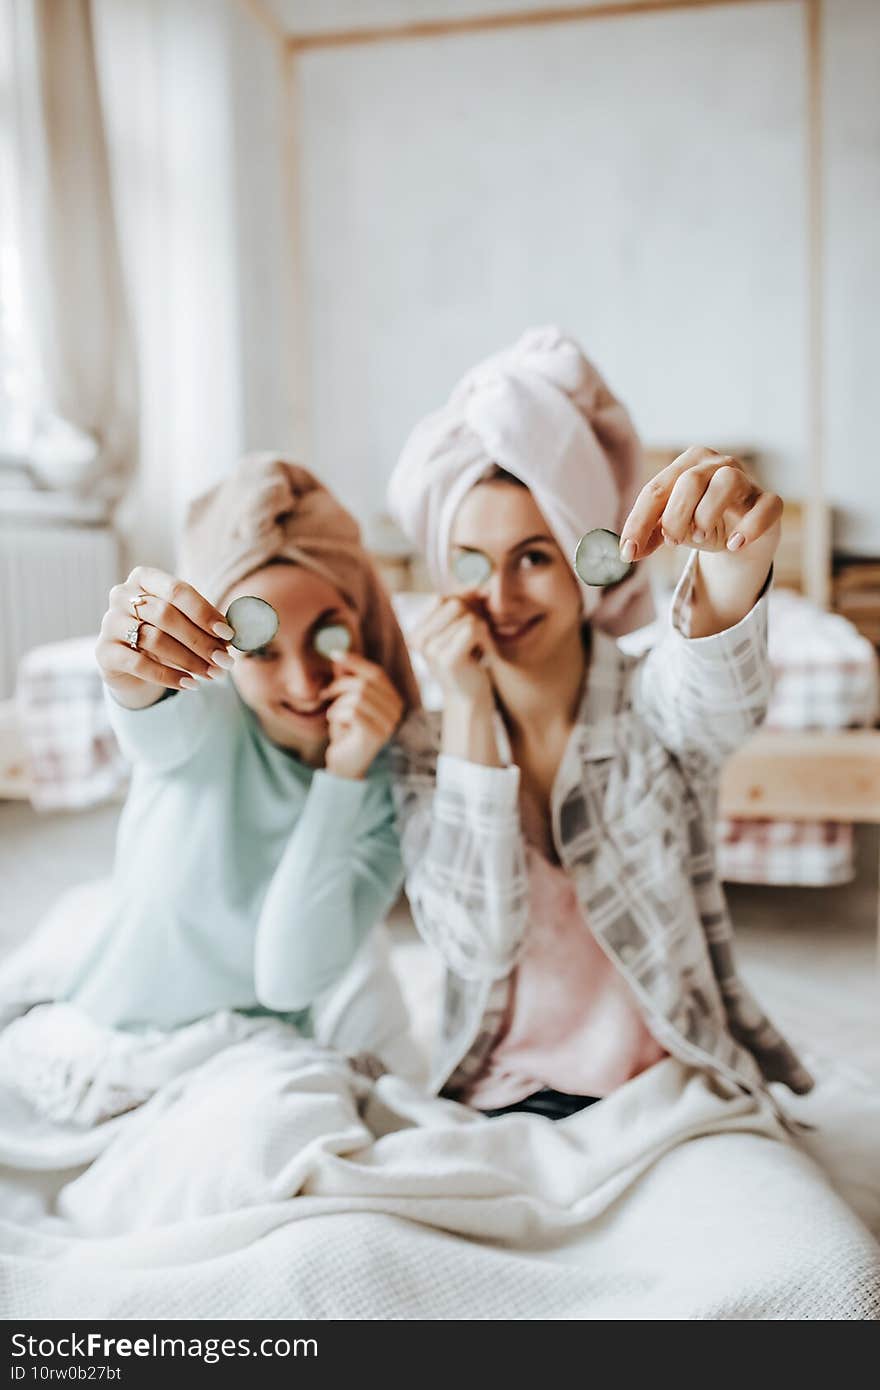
542 412
271 509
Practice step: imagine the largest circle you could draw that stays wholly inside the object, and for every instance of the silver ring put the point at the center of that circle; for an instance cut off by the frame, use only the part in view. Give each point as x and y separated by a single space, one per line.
138 598
132 634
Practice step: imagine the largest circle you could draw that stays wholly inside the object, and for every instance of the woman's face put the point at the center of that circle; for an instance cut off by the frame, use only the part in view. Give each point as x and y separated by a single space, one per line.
532 599
284 682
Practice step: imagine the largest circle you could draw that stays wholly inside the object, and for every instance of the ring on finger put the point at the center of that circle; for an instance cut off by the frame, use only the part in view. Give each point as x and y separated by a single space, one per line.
136 601
132 633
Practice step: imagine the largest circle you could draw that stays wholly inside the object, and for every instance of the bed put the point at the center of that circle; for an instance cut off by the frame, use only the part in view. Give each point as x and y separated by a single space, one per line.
176 1201
234 1170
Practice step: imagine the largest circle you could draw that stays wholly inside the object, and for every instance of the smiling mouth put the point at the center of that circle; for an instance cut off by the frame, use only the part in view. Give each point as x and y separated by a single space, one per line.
512 632
311 712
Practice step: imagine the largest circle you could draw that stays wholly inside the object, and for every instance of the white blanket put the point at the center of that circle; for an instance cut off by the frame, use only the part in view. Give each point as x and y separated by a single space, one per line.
264 1177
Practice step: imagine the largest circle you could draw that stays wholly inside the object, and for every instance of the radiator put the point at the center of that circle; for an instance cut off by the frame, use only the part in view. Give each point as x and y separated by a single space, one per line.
54 582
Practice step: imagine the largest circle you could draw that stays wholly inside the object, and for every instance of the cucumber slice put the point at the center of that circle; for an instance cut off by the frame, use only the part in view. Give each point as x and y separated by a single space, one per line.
332 639
597 559
471 568
254 620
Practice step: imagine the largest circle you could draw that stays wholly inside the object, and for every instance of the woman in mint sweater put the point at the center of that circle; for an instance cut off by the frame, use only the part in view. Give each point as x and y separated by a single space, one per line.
257 851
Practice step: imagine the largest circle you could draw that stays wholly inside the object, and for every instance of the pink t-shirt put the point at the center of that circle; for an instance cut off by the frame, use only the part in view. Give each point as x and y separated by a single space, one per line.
573 1023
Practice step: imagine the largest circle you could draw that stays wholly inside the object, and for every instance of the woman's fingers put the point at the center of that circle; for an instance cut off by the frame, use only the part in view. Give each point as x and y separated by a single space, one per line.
468 638
352 687
378 704
442 615
161 616
353 666
687 477
679 516
171 637
352 713
156 645
701 498
362 675
725 490
182 596
167 651
765 513
118 659
644 518
654 542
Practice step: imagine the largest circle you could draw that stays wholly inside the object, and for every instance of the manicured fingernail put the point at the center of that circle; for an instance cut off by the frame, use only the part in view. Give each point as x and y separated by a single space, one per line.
698 537
189 684
221 658
628 551
225 631
736 540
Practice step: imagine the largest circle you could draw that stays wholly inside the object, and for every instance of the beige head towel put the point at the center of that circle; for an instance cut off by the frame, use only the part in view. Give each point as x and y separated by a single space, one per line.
271 509
542 412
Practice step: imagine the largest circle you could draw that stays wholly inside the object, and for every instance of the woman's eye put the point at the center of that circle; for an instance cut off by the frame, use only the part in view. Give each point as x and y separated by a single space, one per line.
261 654
533 558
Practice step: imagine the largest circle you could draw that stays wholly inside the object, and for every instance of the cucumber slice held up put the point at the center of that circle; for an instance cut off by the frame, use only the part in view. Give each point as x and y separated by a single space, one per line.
471 568
597 559
331 640
254 622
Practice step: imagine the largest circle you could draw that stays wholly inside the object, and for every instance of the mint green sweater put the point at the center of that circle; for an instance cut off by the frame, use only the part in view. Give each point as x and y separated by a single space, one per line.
243 879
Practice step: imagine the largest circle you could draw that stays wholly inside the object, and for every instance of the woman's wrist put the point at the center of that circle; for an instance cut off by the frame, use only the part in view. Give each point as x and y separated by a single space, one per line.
727 584
469 727
134 700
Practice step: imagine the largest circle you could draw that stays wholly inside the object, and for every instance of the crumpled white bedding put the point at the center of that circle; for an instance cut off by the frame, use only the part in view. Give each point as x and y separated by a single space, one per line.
266 1177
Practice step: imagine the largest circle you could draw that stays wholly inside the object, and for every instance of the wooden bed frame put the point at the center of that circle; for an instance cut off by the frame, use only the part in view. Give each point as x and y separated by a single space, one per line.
780 775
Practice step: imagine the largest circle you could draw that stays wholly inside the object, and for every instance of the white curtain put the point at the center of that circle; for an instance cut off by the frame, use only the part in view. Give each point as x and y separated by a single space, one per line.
191 96
156 143
86 441
162 68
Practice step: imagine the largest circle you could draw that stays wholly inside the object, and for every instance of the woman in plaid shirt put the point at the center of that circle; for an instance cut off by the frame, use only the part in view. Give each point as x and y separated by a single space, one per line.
557 817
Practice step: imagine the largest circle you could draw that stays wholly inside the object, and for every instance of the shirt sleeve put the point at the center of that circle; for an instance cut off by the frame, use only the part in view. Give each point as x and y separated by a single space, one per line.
166 734
703 696
463 853
339 875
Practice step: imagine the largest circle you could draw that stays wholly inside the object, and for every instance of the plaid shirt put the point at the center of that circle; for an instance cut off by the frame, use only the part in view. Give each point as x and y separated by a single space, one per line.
634 808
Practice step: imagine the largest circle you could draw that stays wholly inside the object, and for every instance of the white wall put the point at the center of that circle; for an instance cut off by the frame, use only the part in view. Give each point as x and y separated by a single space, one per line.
640 180
853 269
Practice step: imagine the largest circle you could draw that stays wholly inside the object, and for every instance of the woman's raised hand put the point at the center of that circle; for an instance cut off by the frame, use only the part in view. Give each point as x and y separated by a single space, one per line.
454 640
704 500
157 634
365 712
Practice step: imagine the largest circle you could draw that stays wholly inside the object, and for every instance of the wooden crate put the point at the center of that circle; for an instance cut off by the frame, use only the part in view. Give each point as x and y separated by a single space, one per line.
856 595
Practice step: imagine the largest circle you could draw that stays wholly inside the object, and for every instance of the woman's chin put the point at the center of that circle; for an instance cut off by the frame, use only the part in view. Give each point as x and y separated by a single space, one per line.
542 650
308 739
